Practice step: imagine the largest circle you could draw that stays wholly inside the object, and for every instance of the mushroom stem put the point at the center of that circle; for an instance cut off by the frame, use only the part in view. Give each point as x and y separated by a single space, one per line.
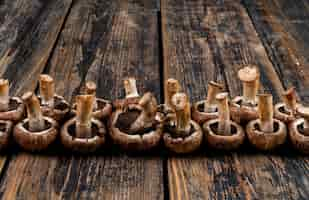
47 90
290 100
250 79
211 103
181 106
4 95
130 88
265 109
84 115
171 87
91 88
36 120
224 126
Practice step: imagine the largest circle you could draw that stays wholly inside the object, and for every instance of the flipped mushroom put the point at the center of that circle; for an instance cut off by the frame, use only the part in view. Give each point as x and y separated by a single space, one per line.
102 109
299 130
5 133
205 110
83 133
222 133
52 105
266 133
286 110
36 132
134 127
11 108
244 108
184 135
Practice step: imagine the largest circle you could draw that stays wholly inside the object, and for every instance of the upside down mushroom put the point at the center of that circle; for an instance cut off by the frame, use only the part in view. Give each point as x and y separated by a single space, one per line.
266 132
83 133
184 135
133 125
222 133
36 132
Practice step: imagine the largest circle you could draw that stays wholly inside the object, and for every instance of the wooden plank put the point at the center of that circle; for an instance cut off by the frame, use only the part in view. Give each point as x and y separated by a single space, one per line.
103 42
206 40
22 58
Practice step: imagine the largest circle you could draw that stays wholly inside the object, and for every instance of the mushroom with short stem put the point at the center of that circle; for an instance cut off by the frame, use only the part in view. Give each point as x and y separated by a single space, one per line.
52 105
184 135
102 109
135 127
36 132
266 132
299 130
83 133
205 110
286 110
223 133
244 108
11 108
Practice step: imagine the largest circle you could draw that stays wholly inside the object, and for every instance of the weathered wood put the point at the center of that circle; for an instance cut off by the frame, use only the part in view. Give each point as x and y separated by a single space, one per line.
102 41
207 40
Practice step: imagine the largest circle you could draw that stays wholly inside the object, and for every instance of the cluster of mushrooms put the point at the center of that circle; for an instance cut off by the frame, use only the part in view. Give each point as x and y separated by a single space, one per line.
138 123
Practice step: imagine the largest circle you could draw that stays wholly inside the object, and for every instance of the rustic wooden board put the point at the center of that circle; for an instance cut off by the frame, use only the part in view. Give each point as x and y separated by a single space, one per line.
103 41
209 40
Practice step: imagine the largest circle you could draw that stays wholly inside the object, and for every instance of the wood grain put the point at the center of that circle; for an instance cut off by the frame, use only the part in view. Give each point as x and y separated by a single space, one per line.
209 40
102 41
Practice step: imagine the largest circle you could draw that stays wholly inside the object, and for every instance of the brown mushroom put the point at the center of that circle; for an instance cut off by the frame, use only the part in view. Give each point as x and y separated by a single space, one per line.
244 108
184 135
52 105
205 110
36 132
102 109
83 133
5 133
266 133
286 110
134 127
11 108
299 130
222 133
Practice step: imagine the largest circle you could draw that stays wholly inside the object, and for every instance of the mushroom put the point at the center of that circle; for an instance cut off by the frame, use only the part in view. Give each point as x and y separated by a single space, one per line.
203 111
36 132
5 133
133 125
244 108
52 105
299 130
11 108
286 110
266 133
223 133
102 109
184 135
83 133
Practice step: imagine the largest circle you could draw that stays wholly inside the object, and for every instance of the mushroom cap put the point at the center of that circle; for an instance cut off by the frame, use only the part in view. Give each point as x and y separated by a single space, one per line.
266 141
134 142
5 133
303 111
299 140
242 114
16 114
248 74
103 111
186 144
223 142
61 108
199 115
83 145
35 141
281 113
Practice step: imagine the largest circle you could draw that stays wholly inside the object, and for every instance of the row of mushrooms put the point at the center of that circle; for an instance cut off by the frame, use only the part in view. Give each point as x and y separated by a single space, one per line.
140 123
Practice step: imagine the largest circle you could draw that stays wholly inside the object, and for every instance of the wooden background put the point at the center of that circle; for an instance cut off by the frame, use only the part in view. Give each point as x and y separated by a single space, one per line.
194 41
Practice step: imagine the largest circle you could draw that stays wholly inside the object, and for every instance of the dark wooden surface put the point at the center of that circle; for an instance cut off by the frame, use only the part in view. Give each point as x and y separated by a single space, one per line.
195 41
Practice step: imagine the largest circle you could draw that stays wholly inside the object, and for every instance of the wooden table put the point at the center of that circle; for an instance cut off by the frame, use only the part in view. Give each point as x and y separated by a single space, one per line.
195 41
